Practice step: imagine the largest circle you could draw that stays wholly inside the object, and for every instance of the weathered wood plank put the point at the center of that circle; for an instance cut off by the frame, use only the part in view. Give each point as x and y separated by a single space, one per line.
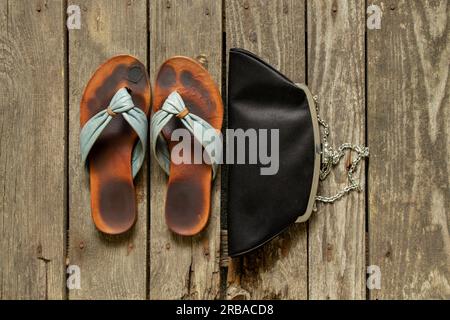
184 268
408 122
111 267
336 73
274 30
32 150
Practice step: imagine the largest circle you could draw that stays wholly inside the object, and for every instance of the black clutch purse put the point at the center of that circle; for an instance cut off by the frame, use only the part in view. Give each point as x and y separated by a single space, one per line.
280 188
261 206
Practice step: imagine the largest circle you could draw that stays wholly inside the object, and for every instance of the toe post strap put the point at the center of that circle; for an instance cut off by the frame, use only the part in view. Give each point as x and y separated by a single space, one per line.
122 104
201 130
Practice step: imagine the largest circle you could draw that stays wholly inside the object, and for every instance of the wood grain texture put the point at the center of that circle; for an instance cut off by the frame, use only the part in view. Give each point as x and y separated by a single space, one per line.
336 73
32 150
408 122
275 31
408 99
112 267
184 267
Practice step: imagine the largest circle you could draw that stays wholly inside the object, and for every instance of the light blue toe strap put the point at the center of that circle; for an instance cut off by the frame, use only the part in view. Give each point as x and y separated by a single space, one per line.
121 103
202 131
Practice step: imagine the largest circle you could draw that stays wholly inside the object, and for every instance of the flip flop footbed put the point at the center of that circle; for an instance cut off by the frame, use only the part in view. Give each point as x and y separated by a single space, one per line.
188 197
113 200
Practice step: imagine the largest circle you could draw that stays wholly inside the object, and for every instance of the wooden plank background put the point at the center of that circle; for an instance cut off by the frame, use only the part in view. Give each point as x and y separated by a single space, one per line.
408 118
111 267
337 232
387 88
32 150
180 267
274 30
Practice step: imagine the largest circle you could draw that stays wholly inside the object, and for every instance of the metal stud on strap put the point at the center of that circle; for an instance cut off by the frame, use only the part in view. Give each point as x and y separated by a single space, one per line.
183 113
110 112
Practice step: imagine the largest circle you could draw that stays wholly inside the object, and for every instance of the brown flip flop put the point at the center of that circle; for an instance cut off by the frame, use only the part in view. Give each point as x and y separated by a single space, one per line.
186 97
113 116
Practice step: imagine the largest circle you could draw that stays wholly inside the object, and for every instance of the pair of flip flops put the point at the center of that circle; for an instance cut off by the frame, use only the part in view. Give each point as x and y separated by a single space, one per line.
113 115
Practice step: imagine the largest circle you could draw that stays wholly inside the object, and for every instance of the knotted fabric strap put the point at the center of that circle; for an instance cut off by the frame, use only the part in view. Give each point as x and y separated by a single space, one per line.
121 103
202 131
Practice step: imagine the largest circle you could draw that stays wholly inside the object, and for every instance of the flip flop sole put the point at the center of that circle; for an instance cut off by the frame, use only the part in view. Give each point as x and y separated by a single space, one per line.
188 197
113 199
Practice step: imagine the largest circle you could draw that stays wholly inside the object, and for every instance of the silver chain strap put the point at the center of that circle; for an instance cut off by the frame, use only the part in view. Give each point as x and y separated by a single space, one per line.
331 157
